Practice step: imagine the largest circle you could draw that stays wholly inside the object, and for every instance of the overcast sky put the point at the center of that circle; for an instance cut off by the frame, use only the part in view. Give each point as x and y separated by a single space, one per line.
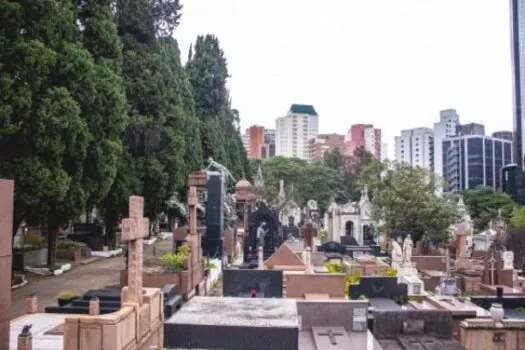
393 63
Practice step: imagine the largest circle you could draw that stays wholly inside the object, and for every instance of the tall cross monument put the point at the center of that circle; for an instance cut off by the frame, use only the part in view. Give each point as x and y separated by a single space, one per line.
134 230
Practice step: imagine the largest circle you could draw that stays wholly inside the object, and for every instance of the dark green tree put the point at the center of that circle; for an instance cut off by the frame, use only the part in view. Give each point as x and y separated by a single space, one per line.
48 84
219 123
483 204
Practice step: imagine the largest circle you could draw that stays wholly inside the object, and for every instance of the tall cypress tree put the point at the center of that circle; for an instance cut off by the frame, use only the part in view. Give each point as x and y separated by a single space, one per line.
220 136
47 80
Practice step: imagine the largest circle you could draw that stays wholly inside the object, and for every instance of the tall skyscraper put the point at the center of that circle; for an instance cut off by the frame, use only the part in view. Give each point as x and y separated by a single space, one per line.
447 126
416 147
517 10
474 160
293 131
363 135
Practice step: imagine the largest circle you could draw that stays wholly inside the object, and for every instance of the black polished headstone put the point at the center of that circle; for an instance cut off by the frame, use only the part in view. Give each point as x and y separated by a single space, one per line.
332 247
212 240
378 287
239 283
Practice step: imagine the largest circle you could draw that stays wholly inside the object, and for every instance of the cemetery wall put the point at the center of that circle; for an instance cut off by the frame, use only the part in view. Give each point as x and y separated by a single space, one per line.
299 285
329 313
437 263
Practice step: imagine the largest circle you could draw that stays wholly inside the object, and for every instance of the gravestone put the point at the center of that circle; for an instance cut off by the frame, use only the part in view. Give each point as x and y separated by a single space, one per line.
134 230
239 283
272 239
213 240
378 287
332 247
6 236
348 241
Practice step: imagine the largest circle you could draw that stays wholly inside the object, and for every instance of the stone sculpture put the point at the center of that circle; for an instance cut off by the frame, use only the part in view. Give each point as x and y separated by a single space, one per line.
408 244
397 253
261 233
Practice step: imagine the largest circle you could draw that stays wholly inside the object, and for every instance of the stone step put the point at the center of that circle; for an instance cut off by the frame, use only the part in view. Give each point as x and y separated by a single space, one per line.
106 294
103 303
170 290
69 309
172 305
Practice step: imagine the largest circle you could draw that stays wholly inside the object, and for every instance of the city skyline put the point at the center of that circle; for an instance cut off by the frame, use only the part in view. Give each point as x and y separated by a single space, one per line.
358 72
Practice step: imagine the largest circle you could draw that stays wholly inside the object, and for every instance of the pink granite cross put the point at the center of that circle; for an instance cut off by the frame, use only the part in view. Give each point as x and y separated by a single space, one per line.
192 208
134 230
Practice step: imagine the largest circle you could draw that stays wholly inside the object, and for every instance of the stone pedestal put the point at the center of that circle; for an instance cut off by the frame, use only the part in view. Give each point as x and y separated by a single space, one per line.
260 258
94 307
32 305
25 343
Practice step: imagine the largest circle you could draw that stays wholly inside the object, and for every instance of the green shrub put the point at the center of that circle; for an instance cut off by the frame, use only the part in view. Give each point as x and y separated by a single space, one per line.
390 272
34 240
66 295
352 278
334 267
209 265
68 245
173 262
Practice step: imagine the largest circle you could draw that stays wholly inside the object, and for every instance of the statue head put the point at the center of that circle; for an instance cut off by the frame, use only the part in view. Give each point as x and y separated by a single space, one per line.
399 240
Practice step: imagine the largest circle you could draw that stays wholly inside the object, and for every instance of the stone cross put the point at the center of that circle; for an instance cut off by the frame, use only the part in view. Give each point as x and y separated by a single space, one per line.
331 335
308 233
134 230
492 261
192 206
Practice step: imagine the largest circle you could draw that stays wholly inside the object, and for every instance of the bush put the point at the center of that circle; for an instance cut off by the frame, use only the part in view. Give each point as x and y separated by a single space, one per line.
68 245
173 262
352 278
34 240
390 272
209 265
334 267
66 295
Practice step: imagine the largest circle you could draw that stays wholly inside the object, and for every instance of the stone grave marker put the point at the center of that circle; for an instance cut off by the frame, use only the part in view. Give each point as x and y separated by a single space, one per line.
378 287
331 338
239 283
134 230
213 240
508 260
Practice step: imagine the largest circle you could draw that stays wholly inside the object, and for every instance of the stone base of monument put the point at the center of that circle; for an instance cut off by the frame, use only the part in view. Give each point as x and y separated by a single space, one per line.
235 324
134 326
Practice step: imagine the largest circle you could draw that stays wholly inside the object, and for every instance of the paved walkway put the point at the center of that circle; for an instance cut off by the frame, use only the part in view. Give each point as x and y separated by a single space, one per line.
96 275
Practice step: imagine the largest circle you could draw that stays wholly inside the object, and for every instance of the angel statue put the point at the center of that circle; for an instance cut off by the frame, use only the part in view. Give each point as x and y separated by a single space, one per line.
219 167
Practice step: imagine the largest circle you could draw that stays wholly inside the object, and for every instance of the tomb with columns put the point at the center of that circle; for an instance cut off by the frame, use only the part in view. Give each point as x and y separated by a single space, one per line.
351 219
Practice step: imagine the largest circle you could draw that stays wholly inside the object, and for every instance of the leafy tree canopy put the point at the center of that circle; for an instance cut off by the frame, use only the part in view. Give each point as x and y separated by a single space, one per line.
483 204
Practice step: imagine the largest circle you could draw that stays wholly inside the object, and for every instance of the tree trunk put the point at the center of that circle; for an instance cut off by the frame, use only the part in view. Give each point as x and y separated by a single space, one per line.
89 218
111 232
52 231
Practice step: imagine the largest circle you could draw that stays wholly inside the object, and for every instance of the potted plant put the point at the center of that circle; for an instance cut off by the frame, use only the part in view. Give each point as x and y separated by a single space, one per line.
66 297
